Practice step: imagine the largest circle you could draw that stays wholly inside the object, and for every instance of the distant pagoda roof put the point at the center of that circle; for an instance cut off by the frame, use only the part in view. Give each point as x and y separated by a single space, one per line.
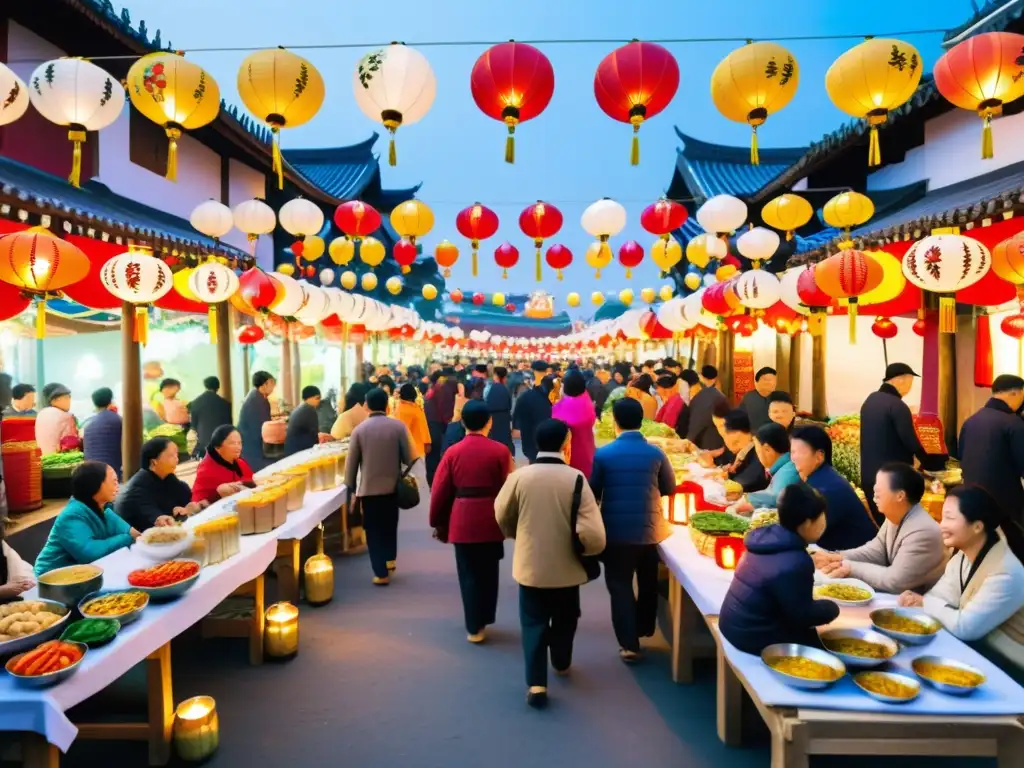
992 16
344 172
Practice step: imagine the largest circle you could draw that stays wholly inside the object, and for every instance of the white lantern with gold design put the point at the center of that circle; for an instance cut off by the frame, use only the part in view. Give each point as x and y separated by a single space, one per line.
140 278
317 305
757 289
301 217
14 93
212 283
945 264
212 218
255 218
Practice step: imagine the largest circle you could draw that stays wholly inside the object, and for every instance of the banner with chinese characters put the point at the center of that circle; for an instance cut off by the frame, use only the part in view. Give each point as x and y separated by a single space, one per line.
742 373
929 432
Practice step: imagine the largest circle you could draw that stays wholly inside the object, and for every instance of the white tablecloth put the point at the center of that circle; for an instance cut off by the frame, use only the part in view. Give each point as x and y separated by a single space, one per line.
704 582
43 711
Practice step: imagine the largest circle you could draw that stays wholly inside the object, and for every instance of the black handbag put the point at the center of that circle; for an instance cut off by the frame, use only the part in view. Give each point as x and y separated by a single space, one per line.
589 562
407 490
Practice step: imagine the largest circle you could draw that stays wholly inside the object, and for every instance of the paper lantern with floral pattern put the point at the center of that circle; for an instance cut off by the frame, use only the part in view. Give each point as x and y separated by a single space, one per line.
945 264
140 278
848 275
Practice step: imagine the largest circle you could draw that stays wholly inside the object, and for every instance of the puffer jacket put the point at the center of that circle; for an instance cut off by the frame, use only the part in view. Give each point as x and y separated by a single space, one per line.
629 478
771 598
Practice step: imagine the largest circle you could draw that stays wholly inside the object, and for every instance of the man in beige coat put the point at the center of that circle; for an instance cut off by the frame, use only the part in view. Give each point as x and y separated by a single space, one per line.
907 553
535 508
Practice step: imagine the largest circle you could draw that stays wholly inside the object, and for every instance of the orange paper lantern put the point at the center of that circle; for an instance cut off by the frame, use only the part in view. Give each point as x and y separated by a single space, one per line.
847 275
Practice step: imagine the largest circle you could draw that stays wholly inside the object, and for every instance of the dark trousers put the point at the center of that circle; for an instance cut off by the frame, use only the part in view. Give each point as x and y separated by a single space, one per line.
433 458
477 565
380 522
633 616
548 619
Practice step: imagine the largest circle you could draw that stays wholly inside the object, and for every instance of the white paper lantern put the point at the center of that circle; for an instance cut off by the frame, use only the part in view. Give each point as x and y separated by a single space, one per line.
945 264
757 289
788 293
326 276
255 218
670 315
394 86
316 306
77 94
300 217
212 283
292 299
604 219
212 218
758 244
722 213
15 96
140 278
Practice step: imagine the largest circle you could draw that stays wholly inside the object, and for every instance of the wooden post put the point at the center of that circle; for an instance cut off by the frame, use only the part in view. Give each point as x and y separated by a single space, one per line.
296 373
819 403
286 371
796 348
360 354
344 361
246 372
947 388
375 351
783 344
225 338
131 393
726 347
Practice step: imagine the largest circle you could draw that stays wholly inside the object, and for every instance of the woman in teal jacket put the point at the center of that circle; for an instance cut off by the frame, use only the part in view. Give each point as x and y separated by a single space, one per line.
772 444
86 529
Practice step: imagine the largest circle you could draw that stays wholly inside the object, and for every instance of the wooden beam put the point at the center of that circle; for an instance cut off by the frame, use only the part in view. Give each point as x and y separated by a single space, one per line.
225 340
947 388
796 349
131 394
360 355
819 402
286 371
726 353
783 344
296 373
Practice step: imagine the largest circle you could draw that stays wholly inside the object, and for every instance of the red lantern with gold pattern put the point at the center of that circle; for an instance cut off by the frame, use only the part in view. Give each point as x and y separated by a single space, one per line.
476 223
1013 326
357 219
631 254
405 254
847 275
506 256
634 83
663 217
812 297
558 258
512 82
540 221
884 328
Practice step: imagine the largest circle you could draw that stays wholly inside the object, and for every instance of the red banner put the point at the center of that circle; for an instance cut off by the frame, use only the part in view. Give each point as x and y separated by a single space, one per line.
742 374
929 432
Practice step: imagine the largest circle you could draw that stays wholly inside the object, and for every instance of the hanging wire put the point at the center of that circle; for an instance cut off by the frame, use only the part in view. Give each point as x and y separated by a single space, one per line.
538 42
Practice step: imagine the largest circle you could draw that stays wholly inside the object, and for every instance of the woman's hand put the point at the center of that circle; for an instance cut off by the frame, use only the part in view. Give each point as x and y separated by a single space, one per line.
229 489
837 570
134 534
164 520
910 600
15 587
823 559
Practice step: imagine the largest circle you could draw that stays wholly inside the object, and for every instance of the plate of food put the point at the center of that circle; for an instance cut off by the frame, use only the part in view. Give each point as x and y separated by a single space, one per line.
801 666
26 623
845 591
47 664
888 687
908 625
167 580
948 675
859 647
164 542
125 605
70 584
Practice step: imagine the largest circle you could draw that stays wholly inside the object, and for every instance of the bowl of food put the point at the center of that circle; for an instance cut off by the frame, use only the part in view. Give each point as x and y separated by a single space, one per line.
888 686
167 580
26 623
164 542
94 633
908 625
125 605
845 592
801 666
859 647
70 584
948 675
47 664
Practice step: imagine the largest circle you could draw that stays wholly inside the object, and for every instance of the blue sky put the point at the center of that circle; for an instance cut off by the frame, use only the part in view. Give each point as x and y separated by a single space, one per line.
572 154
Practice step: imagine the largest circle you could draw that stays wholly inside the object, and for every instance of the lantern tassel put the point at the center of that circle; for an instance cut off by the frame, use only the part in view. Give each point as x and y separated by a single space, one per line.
78 137
142 325
947 314
634 155
987 149
852 310
874 147
392 151
476 260
755 158
510 144
816 323
540 275
629 273
41 319
277 163
173 134
211 318
559 273
504 274
406 270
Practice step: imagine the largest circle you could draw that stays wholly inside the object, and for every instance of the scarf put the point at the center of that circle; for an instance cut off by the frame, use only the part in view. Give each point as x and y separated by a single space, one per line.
217 458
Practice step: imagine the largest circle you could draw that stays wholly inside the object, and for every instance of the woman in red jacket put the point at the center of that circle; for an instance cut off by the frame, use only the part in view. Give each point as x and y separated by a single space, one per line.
467 481
222 471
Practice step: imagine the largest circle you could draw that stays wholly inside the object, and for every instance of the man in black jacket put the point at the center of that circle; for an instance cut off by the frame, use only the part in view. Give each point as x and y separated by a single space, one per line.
992 446
887 428
207 412
303 425
702 431
533 407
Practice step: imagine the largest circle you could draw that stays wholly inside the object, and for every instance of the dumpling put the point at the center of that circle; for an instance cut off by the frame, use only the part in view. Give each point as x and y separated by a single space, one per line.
47 619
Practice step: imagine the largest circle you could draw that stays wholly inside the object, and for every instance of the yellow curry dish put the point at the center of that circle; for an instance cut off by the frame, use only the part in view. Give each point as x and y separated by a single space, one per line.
797 666
72 574
886 686
897 623
947 674
843 592
853 646
115 604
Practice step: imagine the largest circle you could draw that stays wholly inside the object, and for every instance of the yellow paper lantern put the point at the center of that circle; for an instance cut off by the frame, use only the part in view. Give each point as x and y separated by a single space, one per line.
498 299
597 298
626 296
176 94
393 285
703 248
666 292
893 281
429 292
368 281
666 254
787 213
848 210
753 82
371 251
648 295
348 280
286 269
872 79
283 90
724 273
599 255
692 281
313 247
180 280
573 299
341 250
412 219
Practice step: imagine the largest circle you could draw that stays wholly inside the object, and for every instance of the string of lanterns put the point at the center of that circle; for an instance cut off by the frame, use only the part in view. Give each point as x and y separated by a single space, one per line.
513 83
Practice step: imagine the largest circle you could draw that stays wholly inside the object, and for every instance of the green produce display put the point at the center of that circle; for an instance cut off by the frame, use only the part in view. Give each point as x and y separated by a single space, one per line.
615 395
92 632
175 432
66 459
605 428
719 523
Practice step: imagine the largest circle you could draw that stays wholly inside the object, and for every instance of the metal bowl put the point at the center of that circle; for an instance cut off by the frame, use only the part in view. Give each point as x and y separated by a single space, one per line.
956 690
19 644
846 583
867 635
902 679
171 591
70 594
50 678
805 652
908 613
124 618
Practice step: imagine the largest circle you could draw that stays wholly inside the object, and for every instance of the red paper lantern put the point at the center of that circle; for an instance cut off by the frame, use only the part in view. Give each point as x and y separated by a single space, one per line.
728 551
631 254
297 248
742 325
558 258
663 217
357 219
814 298
478 299
634 83
257 289
12 301
1013 326
250 334
506 256
405 254
651 328
919 327
512 82
476 223
456 296
884 328
540 221
720 299
510 307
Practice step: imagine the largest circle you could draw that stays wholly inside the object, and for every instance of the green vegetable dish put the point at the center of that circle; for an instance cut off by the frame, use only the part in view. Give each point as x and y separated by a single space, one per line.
92 632
66 459
719 523
605 428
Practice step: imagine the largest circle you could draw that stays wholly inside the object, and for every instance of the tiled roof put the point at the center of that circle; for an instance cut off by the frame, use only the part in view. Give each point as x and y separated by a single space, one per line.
993 16
94 206
342 172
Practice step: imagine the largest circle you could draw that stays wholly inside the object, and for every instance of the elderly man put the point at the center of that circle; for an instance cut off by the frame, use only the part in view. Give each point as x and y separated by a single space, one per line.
756 401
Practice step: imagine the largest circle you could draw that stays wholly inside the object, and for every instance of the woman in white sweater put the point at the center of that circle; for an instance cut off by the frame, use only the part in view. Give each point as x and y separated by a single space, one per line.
980 597
15 573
